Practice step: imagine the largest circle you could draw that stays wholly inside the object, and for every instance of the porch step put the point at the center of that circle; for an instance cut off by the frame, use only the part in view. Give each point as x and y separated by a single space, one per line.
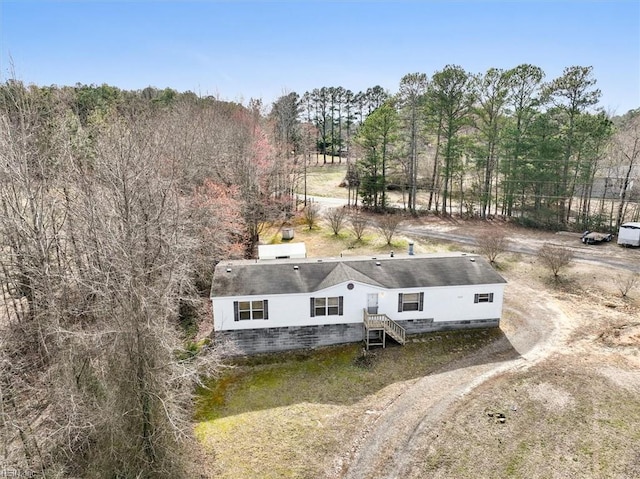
385 326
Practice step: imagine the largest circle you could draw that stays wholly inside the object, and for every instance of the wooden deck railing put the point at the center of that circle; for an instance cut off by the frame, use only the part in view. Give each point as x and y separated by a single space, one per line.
382 322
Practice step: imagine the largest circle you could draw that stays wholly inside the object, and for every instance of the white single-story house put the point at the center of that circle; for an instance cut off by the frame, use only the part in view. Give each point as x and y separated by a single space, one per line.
286 304
282 251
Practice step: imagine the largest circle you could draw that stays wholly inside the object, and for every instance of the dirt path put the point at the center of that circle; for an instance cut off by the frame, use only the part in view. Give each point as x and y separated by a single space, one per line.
528 242
534 326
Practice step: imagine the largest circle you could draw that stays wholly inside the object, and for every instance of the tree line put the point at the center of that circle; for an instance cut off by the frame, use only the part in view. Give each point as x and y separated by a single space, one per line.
504 142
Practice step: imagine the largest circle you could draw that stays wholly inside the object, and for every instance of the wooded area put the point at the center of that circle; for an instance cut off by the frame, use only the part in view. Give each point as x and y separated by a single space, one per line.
116 205
504 142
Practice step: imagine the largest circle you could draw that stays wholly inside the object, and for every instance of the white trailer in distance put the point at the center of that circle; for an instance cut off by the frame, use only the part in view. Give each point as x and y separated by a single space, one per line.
629 234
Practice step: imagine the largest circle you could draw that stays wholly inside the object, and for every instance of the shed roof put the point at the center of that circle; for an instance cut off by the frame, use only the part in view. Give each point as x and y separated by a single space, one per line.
255 277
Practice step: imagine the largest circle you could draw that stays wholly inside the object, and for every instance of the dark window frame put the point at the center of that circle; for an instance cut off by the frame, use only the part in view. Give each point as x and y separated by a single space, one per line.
252 312
483 298
413 305
326 309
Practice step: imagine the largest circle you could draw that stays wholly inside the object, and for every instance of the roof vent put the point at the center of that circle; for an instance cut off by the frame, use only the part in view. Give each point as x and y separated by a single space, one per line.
319 261
374 258
473 260
296 267
377 263
228 270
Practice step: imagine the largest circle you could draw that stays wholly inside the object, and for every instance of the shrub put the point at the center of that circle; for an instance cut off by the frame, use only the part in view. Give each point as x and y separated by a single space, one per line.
311 213
359 224
388 225
555 258
492 244
336 218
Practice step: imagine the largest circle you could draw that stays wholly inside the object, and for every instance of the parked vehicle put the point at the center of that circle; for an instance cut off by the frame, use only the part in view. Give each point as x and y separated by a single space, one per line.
629 234
591 237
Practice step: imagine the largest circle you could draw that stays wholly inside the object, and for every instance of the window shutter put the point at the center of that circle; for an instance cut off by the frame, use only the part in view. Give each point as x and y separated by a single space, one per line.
421 303
476 298
399 302
266 308
491 297
312 313
340 305
236 313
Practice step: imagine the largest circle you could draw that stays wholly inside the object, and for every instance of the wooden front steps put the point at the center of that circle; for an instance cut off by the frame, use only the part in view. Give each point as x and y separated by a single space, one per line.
381 325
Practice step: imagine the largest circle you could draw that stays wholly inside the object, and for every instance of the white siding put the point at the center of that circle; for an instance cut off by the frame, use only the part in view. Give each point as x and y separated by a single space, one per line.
629 234
285 250
452 303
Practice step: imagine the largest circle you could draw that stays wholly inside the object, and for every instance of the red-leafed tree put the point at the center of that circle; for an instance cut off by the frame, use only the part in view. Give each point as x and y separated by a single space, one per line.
216 220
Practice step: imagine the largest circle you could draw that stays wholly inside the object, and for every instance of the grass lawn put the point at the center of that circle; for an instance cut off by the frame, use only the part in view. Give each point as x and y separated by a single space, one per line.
283 415
563 419
322 242
325 180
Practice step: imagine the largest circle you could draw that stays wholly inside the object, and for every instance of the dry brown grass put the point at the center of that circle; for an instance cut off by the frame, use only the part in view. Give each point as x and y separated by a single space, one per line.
321 242
562 420
325 181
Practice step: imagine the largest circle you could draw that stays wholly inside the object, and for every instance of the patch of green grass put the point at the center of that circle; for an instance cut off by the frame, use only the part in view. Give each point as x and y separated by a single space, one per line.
512 467
297 403
280 379
343 235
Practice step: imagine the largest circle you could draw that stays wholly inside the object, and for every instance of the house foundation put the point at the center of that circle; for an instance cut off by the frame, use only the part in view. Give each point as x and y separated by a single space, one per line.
269 340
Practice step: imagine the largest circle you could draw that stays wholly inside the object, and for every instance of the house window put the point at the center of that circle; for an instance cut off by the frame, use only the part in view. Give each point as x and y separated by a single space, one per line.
331 306
483 298
410 302
246 310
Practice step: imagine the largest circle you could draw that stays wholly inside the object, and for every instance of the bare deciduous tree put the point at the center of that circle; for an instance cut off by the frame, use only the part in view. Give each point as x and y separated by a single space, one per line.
492 244
96 256
336 218
626 149
216 224
310 215
555 258
359 224
388 225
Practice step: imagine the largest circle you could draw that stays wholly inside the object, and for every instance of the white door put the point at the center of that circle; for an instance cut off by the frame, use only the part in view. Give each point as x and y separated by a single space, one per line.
372 303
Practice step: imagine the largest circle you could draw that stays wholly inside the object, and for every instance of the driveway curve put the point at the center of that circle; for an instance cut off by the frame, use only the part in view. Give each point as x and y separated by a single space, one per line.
392 437
389 443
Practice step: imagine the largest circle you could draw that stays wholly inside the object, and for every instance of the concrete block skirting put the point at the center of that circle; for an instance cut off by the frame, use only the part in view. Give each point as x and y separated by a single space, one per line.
265 340
427 325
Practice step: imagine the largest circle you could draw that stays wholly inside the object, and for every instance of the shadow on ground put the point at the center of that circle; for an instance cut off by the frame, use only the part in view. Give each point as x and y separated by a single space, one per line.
346 374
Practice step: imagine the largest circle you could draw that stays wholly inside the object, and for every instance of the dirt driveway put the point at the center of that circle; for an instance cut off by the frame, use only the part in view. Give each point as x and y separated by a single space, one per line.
539 324
525 241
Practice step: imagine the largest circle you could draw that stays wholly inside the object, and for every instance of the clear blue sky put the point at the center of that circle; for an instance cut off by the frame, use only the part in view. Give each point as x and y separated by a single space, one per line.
238 50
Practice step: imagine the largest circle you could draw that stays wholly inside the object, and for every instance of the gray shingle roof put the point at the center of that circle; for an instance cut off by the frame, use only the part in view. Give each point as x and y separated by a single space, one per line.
251 277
